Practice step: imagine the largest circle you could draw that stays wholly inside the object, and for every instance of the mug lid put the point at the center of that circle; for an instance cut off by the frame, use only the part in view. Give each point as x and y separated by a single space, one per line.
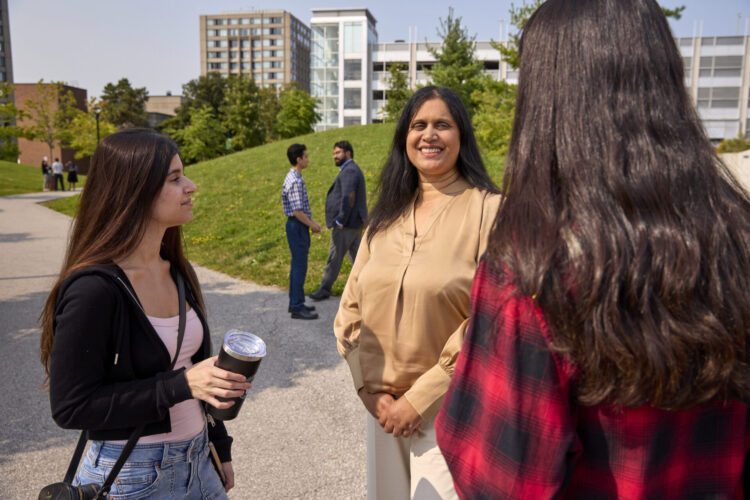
244 344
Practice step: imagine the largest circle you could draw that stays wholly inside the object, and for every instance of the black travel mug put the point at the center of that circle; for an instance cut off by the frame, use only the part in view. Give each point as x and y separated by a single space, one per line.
242 353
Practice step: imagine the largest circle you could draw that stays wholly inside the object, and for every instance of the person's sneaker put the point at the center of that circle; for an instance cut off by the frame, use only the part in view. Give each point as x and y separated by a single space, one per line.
309 308
304 314
320 294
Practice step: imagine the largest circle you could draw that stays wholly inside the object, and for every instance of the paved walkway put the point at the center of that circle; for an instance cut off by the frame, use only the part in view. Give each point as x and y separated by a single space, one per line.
300 434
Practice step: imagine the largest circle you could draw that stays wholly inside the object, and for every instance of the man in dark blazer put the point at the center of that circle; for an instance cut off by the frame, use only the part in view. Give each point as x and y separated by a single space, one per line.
346 211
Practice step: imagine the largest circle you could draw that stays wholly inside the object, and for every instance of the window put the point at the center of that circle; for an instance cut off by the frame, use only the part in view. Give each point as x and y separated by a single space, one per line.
245 44
378 95
233 55
352 37
233 43
233 65
234 32
718 97
245 54
378 66
233 22
217 55
245 20
352 69
352 120
244 32
215 66
352 98
216 43
721 66
255 20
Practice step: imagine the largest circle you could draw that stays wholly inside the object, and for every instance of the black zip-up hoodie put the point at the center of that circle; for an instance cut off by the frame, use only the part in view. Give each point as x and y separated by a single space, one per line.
109 370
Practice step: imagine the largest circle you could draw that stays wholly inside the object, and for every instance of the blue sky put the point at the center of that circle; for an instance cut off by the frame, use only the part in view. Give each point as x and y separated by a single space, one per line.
155 43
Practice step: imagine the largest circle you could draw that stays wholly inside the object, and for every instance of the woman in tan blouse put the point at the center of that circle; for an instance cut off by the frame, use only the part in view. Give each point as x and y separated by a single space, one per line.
401 319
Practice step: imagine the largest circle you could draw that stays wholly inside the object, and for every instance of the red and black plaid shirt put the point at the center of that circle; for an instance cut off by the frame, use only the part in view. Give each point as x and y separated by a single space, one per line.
509 427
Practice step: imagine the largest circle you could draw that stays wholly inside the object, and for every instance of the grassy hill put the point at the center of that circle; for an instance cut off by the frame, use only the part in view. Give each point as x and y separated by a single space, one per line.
19 179
238 227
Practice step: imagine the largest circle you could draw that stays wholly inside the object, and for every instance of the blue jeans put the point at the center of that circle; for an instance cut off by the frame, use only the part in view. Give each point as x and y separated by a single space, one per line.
298 236
182 469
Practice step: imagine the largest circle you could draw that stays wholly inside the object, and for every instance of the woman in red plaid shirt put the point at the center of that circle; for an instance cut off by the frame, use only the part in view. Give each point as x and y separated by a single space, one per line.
608 354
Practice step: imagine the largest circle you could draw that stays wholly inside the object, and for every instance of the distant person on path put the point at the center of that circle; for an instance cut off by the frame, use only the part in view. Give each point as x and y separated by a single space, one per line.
45 173
299 222
57 170
109 329
608 354
346 211
405 306
72 175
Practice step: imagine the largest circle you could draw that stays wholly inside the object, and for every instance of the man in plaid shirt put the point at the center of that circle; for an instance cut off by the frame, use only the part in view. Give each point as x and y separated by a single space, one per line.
298 224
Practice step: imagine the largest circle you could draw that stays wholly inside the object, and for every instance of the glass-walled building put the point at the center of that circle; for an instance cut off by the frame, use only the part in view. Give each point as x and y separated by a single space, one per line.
340 65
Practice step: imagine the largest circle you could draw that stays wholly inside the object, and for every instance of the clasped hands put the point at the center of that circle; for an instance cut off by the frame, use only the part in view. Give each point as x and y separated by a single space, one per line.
396 416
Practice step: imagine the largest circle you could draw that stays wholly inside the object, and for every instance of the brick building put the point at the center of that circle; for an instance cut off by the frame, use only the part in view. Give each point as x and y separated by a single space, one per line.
32 152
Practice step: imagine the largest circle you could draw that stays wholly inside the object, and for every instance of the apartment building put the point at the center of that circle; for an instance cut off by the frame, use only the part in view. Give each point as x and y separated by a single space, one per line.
341 65
272 46
717 72
717 75
416 58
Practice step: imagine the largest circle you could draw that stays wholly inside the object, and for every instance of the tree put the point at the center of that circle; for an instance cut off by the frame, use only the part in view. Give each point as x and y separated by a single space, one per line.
457 67
495 103
9 130
50 114
736 145
268 108
203 138
520 15
82 130
207 90
297 114
240 112
124 105
675 13
397 94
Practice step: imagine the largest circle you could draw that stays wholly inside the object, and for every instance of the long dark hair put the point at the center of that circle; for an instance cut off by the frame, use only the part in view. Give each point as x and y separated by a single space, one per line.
399 179
619 217
127 173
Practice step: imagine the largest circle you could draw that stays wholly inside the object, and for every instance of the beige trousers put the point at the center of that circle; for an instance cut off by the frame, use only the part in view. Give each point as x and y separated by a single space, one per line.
402 468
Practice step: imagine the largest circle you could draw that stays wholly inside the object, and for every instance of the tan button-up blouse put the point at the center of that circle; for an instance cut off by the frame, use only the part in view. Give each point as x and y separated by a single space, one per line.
405 307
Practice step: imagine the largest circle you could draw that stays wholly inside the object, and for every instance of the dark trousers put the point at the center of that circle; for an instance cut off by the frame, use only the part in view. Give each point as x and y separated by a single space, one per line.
59 177
298 236
343 241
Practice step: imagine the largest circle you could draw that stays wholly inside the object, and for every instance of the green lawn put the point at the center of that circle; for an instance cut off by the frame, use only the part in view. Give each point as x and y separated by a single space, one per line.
19 179
238 227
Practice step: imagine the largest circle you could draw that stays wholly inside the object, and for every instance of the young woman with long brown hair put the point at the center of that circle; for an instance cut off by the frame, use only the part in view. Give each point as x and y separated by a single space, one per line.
109 329
608 354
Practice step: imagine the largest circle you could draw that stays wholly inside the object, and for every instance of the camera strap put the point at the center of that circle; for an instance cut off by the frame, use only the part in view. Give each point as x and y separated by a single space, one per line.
136 434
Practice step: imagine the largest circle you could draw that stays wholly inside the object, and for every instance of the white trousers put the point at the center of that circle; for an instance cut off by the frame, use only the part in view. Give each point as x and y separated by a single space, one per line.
400 468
